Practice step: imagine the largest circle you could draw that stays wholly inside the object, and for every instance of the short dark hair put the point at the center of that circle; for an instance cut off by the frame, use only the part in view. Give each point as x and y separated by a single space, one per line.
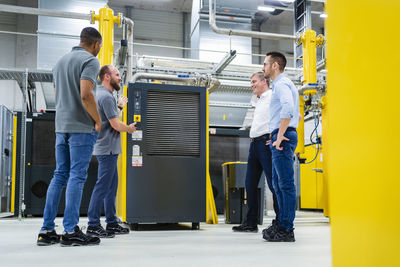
279 58
261 76
105 69
90 35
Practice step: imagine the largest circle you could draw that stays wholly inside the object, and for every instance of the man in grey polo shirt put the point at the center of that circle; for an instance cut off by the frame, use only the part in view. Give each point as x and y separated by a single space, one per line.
77 125
107 149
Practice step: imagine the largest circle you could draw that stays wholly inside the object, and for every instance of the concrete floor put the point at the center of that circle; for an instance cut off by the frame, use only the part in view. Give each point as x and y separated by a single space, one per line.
212 245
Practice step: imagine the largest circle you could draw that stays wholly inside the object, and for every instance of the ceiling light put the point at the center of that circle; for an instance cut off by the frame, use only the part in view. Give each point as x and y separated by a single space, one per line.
266 8
323 15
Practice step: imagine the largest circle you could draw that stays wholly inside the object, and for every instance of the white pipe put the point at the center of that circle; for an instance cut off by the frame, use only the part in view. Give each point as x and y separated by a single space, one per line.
143 75
129 60
43 12
209 62
210 83
254 34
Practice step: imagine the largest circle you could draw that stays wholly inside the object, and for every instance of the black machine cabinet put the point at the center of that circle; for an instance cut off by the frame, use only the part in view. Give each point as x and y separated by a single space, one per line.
234 175
41 163
226 145
166 156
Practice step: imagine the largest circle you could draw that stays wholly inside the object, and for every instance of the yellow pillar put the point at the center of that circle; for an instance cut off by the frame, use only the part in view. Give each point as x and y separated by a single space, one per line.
325 138
300 128
363 115
211 210
106 21
120 202
310 42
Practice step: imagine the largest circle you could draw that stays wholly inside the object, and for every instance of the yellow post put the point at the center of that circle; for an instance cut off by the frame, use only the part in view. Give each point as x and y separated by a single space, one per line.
122 165
310 42
14 165
106 21
211 211
363 163
300 128
325 142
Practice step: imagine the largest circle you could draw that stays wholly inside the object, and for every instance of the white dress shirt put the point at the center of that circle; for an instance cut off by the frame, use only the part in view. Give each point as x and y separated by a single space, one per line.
260 124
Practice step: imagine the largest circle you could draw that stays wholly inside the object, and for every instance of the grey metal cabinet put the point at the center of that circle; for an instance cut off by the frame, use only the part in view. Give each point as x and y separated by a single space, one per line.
6 151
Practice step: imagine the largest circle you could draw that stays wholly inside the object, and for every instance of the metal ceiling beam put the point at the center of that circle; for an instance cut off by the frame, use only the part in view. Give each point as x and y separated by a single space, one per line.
224 62
43 12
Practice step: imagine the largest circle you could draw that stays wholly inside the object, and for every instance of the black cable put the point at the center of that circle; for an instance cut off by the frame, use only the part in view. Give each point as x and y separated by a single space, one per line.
315 129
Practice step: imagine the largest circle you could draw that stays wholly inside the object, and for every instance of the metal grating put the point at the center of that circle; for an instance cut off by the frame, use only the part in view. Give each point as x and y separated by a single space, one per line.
173 123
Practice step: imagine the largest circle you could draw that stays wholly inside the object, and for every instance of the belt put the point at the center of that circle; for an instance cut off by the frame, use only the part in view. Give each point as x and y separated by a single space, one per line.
264 137
287 130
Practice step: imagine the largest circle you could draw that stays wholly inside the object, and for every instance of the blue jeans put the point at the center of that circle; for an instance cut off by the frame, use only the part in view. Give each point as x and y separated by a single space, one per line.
73 154
283 179
259 159
104 191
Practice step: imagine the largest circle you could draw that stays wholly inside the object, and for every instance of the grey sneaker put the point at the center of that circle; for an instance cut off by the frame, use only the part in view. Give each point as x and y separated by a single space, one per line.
99 232
117 229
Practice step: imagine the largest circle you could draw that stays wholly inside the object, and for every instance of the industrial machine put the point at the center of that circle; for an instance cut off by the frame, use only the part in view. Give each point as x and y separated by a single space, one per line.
40 163
6 152
166 156
234 174
226 145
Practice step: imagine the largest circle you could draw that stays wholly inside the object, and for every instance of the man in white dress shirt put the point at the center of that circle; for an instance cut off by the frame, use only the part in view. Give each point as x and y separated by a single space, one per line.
259 159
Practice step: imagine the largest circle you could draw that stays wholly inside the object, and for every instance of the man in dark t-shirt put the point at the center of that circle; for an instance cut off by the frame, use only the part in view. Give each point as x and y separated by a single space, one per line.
107 149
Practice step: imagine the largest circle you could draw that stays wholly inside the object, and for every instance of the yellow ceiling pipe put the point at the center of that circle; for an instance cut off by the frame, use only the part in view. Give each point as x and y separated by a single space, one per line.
106 21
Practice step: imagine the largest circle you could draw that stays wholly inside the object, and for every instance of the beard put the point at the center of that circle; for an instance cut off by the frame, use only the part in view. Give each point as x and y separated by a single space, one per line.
115 85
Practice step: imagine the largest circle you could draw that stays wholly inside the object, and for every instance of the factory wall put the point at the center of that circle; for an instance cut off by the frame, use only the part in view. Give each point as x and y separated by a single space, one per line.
17 51
155 27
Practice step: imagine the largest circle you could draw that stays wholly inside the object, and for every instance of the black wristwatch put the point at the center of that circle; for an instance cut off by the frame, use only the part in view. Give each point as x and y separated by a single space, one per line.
120 108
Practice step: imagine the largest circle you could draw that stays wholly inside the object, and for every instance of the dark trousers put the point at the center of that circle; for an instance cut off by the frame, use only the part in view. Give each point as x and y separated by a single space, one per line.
259 160
283 179
104 191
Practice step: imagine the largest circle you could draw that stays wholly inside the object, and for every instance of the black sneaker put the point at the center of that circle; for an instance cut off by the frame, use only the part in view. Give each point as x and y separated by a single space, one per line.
46 238
77 238
280 235
99 232
117 229
270 229
245 228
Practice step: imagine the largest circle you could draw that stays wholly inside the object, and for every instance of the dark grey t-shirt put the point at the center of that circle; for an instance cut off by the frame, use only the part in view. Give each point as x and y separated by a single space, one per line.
109 140
77 65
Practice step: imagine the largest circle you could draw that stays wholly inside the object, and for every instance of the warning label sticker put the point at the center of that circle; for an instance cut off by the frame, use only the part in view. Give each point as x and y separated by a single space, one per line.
137 135
137 161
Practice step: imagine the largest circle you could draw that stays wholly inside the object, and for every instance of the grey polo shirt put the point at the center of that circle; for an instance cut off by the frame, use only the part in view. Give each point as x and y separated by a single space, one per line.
109 140
77 65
